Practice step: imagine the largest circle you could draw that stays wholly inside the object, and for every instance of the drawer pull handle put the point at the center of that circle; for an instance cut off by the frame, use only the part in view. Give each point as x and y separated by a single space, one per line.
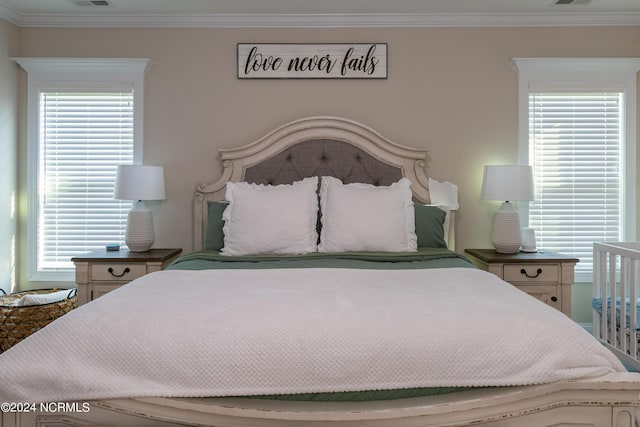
126 270
554 299
538 273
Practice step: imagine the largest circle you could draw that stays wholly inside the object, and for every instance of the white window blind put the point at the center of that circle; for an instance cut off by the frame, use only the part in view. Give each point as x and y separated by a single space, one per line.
575 148
83 136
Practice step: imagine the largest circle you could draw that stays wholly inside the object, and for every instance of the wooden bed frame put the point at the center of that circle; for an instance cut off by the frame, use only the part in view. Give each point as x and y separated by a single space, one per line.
613 400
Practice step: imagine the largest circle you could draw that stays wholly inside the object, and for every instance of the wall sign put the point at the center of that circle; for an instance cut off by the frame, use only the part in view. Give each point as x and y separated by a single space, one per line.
312 61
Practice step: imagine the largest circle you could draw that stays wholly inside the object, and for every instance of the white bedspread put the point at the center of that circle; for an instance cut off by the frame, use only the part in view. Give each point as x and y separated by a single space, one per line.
233 332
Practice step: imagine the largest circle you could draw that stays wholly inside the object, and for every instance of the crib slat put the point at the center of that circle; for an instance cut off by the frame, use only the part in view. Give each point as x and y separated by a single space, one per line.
611 290
633 296
598 279
624 284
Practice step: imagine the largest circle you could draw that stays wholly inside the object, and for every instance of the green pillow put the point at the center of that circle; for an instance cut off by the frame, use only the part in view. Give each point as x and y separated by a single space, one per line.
214 237
430 226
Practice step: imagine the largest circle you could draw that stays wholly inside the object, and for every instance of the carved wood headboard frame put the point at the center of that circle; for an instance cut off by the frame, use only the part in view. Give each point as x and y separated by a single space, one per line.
236 161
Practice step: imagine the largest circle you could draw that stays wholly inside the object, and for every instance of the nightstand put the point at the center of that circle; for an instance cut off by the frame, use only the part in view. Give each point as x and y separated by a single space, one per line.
102 271
546 275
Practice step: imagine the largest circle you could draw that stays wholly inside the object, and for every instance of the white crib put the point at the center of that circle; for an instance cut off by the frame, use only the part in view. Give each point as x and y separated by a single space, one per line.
616 288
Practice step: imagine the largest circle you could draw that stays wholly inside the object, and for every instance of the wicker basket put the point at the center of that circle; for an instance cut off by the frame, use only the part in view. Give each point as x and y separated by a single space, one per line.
18 322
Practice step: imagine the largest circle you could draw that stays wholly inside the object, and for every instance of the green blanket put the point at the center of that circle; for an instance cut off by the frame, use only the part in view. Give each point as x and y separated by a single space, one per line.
364 396
423 258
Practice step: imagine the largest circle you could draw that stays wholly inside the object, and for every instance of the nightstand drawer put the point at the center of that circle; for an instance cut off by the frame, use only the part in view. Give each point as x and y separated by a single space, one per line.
98 290
530 273
117 272
545 293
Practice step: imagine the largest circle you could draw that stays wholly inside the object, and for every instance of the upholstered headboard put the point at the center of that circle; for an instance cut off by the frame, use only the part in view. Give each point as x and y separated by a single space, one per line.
316 146
322 157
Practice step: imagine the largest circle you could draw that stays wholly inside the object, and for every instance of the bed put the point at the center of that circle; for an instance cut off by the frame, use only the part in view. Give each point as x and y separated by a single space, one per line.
318 338
617 325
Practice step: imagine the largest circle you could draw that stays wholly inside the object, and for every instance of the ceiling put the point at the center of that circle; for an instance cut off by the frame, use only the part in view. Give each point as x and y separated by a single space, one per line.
318 13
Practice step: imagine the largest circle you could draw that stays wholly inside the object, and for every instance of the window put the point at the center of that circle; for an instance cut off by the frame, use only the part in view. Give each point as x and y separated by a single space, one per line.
84 118
83 136
577 119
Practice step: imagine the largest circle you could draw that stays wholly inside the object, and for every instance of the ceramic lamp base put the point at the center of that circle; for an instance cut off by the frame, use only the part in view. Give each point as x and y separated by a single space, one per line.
506 237
140 235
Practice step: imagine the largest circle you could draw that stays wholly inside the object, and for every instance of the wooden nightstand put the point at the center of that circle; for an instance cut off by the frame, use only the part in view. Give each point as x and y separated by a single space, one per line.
101 271
546 275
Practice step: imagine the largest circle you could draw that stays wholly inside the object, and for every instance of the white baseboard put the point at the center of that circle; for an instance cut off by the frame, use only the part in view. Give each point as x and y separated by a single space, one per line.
587 326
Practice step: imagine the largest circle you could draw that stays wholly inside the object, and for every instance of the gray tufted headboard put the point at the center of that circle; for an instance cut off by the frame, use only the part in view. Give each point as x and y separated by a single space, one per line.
322 157
316 146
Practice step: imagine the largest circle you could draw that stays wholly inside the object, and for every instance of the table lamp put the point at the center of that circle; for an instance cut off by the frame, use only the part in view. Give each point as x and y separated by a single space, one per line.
507 183
139 183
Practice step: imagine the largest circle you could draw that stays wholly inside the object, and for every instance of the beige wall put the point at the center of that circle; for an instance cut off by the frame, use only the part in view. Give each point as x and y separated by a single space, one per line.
452 91
8 149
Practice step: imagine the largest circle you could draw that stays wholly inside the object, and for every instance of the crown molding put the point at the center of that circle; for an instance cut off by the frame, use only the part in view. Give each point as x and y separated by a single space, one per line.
8 14
338 20
112 65
576 65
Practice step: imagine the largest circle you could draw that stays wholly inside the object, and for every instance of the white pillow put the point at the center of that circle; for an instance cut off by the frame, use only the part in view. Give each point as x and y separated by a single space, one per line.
443 194
363 217
268 219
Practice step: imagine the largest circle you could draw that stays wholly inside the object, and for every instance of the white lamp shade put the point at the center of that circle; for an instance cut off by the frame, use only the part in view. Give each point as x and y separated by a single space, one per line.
138 182
507 182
